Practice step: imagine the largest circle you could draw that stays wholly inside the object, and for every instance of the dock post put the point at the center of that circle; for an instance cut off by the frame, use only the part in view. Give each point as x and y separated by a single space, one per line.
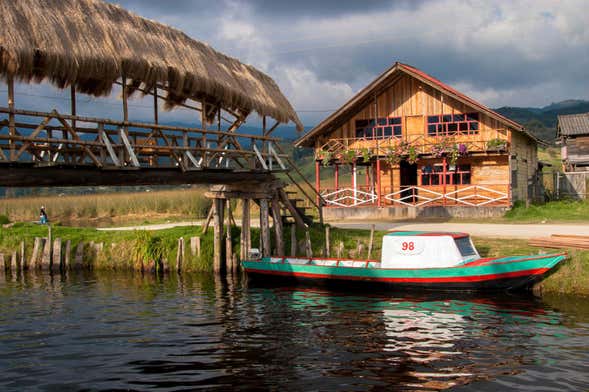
245 229
278 229
308 246
218 235
371 241
23 259
56 255
264 227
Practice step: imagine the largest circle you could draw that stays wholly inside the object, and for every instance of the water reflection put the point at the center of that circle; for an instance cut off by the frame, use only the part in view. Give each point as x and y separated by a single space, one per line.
117 331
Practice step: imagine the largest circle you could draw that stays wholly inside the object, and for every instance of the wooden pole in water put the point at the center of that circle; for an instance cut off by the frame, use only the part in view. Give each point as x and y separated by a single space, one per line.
23 260
278 229
218 235
228 241
56 257
265 227
293 240
68 251
245 229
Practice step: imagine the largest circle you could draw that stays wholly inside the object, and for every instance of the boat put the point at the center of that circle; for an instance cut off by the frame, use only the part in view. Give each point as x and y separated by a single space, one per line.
414 260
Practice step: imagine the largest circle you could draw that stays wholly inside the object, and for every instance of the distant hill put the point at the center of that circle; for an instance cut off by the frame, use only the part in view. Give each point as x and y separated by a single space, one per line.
542 121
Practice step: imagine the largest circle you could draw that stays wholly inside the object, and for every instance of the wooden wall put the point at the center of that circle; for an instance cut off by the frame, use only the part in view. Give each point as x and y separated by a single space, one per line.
523 164
410 97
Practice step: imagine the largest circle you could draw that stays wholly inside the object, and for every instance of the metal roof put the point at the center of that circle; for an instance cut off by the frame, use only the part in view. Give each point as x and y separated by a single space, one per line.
573 124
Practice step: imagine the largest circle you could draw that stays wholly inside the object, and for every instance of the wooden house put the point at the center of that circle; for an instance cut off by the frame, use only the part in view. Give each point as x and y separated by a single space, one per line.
573 133
409 140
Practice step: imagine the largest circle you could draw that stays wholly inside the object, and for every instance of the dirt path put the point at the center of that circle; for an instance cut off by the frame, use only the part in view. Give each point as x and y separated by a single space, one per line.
477 229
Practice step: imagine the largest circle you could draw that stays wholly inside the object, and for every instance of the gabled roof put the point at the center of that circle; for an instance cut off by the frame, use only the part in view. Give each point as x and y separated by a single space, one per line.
384 81
573 124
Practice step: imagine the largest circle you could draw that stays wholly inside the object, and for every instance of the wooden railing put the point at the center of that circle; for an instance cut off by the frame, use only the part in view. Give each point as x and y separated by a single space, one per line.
60 139
422 145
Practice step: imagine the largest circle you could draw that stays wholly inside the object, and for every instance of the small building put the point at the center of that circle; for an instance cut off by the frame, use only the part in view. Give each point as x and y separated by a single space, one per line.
573 134
408 144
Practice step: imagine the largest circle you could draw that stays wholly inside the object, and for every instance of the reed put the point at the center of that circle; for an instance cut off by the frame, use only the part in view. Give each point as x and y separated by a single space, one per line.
110 207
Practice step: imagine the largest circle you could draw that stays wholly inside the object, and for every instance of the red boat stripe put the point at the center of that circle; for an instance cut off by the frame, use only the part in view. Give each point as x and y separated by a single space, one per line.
480 278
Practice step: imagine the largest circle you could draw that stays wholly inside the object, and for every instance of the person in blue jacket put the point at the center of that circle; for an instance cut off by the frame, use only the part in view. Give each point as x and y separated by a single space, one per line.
43 216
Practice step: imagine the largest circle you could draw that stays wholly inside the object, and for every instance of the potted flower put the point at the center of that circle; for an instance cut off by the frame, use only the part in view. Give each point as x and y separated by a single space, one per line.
497 144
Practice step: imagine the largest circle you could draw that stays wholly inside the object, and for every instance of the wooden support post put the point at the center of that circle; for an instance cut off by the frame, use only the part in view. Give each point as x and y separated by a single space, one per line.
308 247
327 242
14 263
293 240
11 121
278 229
245 243
125 106
2 265
155 108
218 235
228 241
195 246
38 245
56 257
359 248
443 179
180 254
23 259
73 104
203 141
265 227
371 242
378 190
68 251
79 259
317 182
46 258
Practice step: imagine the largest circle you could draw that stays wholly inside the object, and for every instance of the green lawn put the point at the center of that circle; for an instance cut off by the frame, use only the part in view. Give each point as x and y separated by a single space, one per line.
554 211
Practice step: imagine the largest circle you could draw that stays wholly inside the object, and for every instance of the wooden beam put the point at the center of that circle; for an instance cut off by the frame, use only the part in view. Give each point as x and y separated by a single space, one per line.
11 127
278 231
229 241
218 235
73 107
155 108
264 227
125 106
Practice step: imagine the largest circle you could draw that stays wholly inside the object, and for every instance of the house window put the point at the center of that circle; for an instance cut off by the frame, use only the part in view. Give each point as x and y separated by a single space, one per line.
379 128
455 174
453 124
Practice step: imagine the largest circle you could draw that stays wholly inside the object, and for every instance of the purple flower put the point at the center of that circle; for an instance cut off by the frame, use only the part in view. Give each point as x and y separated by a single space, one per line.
462 149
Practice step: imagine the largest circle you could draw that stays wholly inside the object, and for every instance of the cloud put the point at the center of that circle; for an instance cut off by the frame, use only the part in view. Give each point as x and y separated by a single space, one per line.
516 53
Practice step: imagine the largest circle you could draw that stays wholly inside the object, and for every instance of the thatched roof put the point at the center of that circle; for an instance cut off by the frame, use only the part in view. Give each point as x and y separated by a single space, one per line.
573 124
90 44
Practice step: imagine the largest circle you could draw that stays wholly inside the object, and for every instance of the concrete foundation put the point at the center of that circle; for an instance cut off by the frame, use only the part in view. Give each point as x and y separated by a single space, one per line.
392 213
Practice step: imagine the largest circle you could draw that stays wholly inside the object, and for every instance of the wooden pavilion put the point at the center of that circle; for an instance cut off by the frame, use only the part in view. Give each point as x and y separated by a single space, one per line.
408 140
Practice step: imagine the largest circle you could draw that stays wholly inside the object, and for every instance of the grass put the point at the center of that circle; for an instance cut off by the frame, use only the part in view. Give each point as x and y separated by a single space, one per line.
554 211
129 249
100 209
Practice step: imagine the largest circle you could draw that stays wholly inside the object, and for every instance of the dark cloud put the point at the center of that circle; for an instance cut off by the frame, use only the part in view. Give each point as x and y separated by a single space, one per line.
326 8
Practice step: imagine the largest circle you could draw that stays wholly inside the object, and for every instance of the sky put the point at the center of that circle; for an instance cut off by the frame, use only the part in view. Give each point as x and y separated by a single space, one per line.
321 52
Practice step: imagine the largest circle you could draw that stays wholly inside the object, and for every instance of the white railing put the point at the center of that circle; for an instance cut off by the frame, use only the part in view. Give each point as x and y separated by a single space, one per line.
487 195
348 197
415 196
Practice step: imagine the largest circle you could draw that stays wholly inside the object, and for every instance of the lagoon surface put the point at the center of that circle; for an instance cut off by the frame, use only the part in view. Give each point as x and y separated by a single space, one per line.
119 331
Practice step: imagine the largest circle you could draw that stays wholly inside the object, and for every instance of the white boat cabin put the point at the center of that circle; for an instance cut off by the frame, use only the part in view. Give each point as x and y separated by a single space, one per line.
420 249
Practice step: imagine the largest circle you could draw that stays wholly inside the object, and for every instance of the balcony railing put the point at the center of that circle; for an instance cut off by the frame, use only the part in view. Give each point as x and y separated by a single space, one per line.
337 148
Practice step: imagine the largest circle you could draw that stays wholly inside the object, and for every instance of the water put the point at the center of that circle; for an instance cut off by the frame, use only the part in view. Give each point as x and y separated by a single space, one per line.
107 331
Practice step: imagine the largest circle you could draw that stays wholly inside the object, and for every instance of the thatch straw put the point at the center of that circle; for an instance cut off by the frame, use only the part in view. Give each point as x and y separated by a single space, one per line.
90 44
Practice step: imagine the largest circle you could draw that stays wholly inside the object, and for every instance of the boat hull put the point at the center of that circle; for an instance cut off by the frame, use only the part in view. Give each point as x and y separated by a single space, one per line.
511 273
